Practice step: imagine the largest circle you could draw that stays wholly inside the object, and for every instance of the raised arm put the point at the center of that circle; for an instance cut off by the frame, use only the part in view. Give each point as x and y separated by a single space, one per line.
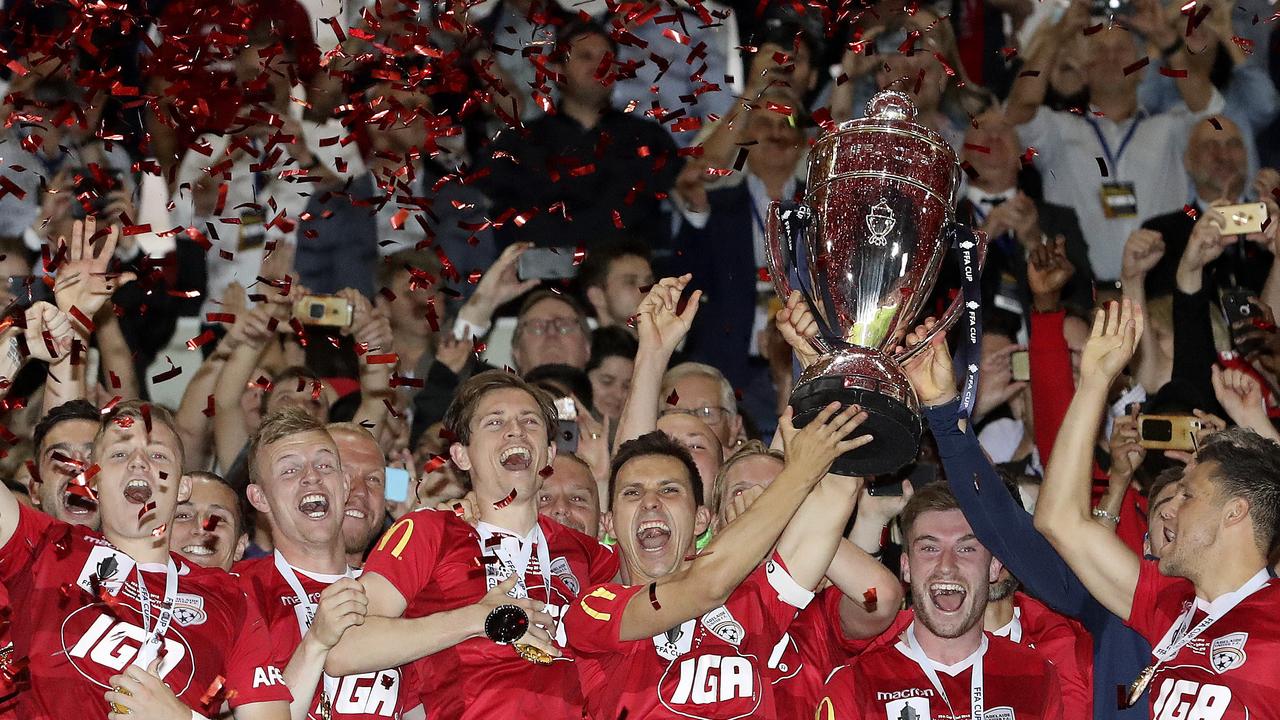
230 426
662 326
1241 396
371 331
1029 88
872 594
1193 351
707 582
1107 567
117 358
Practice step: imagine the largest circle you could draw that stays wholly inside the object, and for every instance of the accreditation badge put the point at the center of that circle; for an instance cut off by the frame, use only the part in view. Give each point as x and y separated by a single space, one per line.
1119 200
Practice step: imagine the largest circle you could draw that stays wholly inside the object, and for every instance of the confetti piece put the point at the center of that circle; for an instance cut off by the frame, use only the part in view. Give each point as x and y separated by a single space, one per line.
1190 212
673 399
124 422
1102 167
82 318
211 523
653 596
1136 66
209 410
510 498
202 339
870 600
385 359
546 472
1172 73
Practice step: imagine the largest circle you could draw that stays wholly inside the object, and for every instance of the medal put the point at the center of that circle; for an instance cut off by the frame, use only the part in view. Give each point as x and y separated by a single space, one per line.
324 705
533 654
1139 685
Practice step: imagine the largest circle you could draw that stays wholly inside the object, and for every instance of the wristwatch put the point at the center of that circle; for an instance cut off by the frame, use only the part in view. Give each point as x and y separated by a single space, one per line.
506 624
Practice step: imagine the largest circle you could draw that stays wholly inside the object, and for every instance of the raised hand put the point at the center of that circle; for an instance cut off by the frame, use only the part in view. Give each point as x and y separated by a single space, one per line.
798 327
1240 396
49 333
453 352
1048 272
995 383
691 185
1142 251
1127 452
659 320
1203 247
930 370
499 285
811 450
82 281
1115 335
342 605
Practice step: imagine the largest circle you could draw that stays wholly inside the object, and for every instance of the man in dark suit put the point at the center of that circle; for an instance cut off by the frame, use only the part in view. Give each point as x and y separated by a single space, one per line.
1215 160
993 202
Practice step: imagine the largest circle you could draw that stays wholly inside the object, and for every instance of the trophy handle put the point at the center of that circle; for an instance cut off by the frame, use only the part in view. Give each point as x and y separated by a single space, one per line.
785 225
967 240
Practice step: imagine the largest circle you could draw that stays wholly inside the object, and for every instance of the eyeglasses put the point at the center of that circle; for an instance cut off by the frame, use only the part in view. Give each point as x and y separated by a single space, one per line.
560 326
710 414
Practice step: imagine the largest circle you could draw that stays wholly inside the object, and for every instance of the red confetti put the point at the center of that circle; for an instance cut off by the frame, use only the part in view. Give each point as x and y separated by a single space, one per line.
1170 72
211 523
212 692
146 411
385 359
1190 212
160 530
84 320
435 463
220 317
146 508
870 599
203 338
510 498
208 410
546 472
124 422
673 399
1136 66
653 596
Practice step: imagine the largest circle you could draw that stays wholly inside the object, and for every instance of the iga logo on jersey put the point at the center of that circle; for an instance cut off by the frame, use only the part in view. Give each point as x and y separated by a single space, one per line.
1227 652
707 685
1190 700
99 646
367 694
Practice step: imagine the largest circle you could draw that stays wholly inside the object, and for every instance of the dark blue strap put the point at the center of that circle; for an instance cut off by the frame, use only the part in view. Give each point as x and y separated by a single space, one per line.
968 351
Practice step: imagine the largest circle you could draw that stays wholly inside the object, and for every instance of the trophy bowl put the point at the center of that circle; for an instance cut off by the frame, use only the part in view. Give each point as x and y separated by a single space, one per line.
864 247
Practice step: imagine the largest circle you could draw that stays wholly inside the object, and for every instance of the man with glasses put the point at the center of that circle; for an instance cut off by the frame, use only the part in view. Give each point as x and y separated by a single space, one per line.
702 391
551 329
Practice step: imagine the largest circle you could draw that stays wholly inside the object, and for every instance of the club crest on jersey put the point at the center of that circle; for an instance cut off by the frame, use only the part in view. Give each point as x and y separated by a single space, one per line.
912 708
998 713
188 610
721 624
560 568
1227 652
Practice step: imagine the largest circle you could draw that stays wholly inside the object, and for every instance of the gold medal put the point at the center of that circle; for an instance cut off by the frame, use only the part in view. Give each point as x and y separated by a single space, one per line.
117 707
533 654
1139 684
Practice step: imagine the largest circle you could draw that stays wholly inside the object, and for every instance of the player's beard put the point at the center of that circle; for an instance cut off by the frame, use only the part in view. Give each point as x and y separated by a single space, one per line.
1002 589
949 627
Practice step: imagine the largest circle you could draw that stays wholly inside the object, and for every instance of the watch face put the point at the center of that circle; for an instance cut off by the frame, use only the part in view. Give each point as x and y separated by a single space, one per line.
506 624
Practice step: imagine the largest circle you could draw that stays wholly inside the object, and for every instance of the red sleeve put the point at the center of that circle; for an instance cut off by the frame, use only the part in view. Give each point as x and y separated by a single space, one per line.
1053 701
1051 381
593 625
837 701
1133 520
17 555
1147 616
252 673
604 563
1073 660
853 647
407 552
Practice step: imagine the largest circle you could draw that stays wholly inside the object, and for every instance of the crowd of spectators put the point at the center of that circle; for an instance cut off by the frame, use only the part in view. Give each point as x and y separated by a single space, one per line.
474 298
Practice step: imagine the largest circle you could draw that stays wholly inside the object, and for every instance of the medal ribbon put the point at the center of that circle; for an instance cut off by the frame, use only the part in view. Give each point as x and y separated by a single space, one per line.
976 701
1113 161
516 563
1173 643
307 617
969 353
150 649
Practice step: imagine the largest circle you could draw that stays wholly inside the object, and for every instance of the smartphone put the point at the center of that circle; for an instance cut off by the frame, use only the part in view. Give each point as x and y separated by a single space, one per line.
28 290
1237 306
1168 432
1244 218
546 264
327 310
396 486
1020 364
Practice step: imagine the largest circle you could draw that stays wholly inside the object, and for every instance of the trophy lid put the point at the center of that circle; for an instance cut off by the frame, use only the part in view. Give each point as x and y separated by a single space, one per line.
891 105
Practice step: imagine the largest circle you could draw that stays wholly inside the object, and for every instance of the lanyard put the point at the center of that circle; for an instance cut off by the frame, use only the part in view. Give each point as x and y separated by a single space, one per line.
1113 161
154 638
1179 637
513 557
305 619
975 674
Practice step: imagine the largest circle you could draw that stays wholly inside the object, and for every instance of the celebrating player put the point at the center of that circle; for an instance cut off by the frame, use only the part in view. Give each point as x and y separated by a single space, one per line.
689 637
209 525
483 602
306 590
1208 605
366 469
91 638
943 665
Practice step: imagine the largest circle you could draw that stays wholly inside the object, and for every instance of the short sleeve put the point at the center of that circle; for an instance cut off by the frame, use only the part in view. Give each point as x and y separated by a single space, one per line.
1146 616
594 623
17 555
406 554
252 670
837 701
604 563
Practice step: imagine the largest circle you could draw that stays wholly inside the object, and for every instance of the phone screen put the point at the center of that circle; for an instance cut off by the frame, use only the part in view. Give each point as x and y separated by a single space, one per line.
397 484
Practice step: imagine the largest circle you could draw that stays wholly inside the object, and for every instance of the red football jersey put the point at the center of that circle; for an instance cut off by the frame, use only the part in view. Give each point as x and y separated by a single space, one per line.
9 682
709 668
75 640
1063 642
886 684
813 645
434 560
1230 671
367 696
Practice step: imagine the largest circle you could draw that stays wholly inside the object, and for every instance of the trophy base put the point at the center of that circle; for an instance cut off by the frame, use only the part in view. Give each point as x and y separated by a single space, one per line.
883 392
